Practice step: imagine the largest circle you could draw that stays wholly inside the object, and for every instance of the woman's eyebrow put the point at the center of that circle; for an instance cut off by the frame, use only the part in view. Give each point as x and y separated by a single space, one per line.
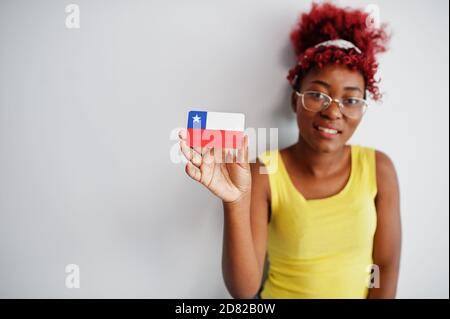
347 88
353 88
321 83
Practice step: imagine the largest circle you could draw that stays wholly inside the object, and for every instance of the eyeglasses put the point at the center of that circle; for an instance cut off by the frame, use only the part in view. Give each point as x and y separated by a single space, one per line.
314 101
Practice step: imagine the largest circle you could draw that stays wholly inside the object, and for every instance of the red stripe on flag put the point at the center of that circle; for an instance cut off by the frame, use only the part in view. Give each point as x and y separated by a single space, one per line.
214 138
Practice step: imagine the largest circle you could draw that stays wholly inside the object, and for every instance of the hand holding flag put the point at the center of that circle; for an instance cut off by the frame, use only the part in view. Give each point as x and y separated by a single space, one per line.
226 175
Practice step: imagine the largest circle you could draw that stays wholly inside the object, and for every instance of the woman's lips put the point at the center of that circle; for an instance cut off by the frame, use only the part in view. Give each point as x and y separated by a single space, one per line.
326 132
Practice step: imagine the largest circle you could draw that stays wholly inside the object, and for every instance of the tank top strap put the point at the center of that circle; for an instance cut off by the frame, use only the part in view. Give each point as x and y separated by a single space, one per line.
365 170
277 174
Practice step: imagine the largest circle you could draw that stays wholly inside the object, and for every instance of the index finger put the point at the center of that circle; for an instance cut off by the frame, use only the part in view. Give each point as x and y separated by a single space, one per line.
182 134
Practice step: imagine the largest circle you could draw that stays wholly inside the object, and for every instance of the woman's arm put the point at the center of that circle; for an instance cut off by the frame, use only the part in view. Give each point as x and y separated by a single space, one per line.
387 241
245 238
243 191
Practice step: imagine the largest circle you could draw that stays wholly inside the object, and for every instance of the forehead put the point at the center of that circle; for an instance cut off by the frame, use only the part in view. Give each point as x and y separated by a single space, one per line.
337 75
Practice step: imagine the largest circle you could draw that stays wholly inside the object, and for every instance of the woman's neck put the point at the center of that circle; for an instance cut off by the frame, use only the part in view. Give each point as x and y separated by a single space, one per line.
316 163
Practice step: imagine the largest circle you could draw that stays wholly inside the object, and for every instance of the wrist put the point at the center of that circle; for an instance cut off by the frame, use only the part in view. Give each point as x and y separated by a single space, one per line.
240 202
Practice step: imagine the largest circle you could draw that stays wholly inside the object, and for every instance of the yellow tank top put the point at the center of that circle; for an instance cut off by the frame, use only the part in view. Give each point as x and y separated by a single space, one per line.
321 248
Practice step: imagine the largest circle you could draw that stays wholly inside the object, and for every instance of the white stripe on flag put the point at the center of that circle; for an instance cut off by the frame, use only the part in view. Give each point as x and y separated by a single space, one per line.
225 121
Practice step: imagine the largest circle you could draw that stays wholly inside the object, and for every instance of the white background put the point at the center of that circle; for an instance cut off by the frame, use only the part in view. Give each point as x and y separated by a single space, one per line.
85 119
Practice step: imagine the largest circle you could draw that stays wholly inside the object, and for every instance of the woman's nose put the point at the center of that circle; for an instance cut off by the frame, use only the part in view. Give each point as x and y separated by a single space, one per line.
333 112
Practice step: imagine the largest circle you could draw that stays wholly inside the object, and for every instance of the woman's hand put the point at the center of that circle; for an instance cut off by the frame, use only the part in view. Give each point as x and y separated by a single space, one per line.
225 175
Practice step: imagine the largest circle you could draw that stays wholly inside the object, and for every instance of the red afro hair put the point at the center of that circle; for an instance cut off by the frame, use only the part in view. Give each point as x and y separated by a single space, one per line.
328 22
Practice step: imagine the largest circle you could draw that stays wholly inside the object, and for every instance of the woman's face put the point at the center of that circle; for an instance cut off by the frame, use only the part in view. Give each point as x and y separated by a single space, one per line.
338 82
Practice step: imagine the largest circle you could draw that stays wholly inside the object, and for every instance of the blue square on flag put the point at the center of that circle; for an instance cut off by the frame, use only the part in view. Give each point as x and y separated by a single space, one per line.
197 119
215 129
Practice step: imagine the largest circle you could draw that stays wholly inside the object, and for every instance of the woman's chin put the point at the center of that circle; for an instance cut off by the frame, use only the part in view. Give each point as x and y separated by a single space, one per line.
327 146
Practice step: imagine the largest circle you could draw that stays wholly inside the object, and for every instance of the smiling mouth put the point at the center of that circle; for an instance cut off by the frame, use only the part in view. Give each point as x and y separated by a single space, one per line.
328 131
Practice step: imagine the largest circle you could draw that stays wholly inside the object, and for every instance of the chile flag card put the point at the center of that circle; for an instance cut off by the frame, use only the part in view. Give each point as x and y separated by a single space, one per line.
215 129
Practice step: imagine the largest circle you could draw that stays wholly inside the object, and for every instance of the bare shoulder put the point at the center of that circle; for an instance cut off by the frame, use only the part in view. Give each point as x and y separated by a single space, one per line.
386 172
385 165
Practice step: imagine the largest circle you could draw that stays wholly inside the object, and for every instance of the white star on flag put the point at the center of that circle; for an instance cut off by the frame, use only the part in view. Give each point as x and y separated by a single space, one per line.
196 118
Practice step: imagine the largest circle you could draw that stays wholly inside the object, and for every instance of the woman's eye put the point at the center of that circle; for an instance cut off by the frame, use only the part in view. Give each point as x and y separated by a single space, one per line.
351 101
317 95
